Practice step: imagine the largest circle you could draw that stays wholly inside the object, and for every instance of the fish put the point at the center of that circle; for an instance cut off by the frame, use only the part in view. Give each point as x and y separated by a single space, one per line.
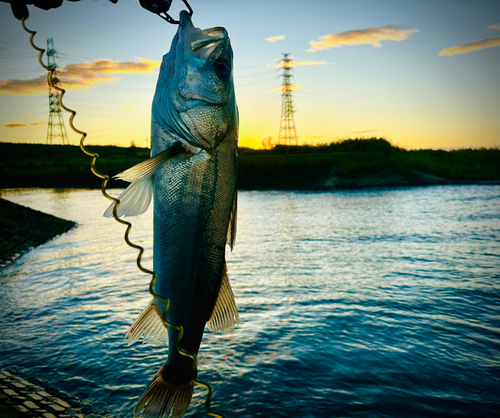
191 177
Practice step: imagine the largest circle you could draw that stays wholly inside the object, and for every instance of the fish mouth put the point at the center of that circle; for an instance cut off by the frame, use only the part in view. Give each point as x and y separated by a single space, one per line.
186 24
208 75
204 90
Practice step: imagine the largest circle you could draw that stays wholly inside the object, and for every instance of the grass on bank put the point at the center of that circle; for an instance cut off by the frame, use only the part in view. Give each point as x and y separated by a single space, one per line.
287 167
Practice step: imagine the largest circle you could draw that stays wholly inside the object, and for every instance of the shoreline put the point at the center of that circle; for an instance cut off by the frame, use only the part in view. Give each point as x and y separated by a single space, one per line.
23 228
350 164
358 184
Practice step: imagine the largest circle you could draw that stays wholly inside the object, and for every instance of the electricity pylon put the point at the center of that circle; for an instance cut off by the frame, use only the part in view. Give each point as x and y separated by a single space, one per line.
287 133
55 128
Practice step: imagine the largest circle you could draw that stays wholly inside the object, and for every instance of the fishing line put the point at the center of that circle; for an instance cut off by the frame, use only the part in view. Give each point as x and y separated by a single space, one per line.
105 178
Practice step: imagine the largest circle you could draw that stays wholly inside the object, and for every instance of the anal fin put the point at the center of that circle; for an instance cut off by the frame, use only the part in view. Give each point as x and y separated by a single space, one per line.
225 315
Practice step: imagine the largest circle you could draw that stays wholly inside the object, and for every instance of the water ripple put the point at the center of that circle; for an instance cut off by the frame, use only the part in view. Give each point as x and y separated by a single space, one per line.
353 304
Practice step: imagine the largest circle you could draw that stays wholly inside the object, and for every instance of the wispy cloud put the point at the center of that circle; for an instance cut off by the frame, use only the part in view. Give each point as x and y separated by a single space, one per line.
496 27
275 38
81 76
370 36
290 64
365 132
290 88
473 46
14 125
129 106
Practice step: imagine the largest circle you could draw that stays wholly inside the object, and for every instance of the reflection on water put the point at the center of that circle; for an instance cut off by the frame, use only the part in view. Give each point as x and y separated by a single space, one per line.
365 303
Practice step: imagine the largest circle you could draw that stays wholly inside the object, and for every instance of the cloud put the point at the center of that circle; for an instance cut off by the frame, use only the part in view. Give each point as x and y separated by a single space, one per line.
292 87
31 87
474 46
14 125
276 38
370 36
81 76
496 27
365 132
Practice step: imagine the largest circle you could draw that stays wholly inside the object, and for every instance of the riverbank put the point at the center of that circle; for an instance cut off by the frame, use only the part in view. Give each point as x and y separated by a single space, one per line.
22 228
352 163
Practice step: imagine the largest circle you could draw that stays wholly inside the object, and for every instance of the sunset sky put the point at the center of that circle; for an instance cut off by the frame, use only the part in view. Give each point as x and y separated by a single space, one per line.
422 74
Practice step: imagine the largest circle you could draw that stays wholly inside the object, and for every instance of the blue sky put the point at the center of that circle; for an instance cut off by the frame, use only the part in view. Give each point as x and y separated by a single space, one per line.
397 87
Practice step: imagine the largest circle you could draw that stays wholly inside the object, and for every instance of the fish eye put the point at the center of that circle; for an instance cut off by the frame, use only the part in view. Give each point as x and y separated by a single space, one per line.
222 69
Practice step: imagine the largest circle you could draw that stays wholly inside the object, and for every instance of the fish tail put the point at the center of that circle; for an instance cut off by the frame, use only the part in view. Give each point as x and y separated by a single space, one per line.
164 399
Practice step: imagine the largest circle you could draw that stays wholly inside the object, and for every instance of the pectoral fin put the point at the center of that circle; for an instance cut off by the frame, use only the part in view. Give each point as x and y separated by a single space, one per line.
225 315
148 167
136 198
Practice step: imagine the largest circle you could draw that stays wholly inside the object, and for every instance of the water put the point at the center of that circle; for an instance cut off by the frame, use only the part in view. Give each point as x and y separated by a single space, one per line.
381 303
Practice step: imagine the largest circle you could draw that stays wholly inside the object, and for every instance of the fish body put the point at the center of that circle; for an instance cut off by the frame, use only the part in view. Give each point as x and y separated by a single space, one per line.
192 174
194 194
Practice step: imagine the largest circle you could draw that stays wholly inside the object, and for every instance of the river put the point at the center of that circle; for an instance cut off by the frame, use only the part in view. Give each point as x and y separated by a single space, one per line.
371 303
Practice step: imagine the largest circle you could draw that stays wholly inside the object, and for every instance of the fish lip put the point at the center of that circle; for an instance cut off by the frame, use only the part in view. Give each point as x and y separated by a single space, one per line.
185 18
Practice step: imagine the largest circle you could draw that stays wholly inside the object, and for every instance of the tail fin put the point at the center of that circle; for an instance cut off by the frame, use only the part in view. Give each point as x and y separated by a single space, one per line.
163 398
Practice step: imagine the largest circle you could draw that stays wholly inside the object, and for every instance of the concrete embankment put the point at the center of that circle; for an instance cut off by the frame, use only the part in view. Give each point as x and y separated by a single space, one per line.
22 228
20 398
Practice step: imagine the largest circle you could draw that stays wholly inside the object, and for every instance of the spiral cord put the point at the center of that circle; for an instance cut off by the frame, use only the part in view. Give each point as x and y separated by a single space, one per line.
105 178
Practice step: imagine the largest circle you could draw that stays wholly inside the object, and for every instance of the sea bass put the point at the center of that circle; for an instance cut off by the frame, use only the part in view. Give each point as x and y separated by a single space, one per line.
192 174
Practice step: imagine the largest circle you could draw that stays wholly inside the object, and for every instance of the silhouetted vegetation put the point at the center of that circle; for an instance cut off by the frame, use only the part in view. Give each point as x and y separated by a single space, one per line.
345 164
38 165
362 163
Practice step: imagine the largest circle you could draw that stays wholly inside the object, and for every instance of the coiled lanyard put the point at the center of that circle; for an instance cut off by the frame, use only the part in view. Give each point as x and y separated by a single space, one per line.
160 8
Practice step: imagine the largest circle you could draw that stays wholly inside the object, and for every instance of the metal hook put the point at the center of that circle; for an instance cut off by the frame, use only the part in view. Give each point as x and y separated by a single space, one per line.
160 7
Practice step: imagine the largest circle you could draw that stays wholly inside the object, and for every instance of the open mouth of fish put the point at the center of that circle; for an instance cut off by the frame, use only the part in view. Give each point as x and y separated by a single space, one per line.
205 90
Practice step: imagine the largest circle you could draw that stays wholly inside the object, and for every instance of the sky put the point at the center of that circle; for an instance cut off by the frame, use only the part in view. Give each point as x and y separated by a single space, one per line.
422 74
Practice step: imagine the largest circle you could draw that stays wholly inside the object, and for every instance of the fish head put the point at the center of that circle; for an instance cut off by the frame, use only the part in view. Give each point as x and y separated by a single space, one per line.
195 98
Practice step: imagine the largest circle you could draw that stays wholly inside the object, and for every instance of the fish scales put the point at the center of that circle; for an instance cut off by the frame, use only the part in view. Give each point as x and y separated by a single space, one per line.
190 228
192 174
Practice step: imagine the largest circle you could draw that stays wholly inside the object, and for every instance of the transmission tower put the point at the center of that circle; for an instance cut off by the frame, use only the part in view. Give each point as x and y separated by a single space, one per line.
287 134
56 129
